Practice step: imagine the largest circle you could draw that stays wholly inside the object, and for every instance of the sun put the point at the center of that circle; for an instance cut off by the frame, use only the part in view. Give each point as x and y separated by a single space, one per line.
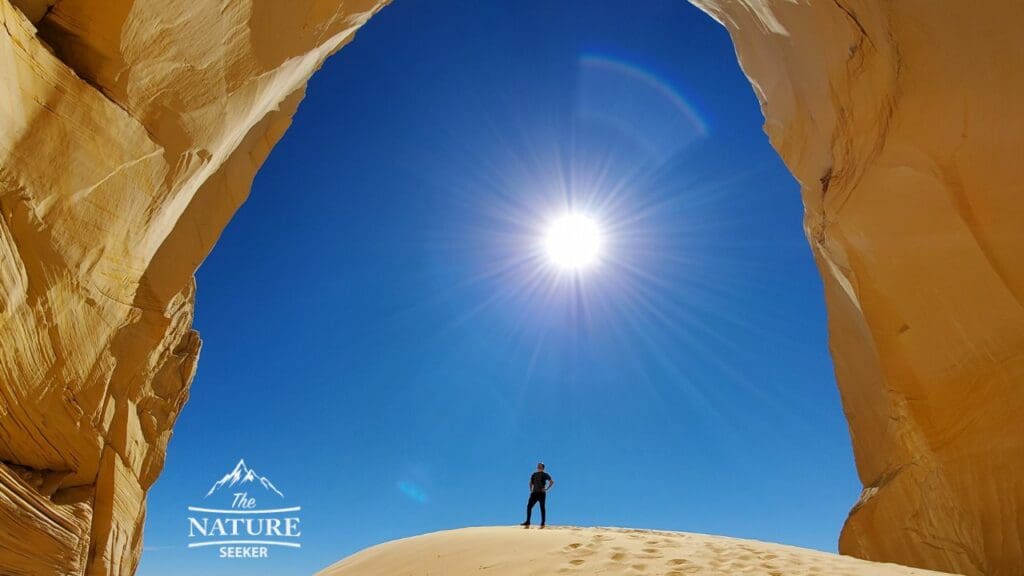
574 242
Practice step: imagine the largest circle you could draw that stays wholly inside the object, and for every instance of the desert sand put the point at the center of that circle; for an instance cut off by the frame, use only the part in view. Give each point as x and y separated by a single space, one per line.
513 551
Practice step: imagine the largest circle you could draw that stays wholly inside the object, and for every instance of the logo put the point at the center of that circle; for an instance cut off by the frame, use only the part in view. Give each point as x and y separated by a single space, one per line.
252 516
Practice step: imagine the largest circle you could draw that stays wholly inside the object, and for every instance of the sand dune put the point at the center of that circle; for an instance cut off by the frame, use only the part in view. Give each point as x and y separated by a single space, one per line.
512 551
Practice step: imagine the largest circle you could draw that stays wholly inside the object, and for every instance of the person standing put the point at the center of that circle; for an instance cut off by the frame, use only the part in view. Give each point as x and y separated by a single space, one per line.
540 483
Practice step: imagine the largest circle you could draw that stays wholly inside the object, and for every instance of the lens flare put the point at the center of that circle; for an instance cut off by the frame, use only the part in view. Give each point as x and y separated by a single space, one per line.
573 242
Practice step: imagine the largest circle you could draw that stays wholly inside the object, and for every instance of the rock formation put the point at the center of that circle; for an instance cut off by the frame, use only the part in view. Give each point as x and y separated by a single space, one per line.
130 131
902 121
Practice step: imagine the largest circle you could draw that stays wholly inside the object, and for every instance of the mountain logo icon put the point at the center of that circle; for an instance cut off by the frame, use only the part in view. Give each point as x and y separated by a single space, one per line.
243 475
238 527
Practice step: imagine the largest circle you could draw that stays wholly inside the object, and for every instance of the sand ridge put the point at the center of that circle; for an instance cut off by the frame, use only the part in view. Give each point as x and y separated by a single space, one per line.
558 550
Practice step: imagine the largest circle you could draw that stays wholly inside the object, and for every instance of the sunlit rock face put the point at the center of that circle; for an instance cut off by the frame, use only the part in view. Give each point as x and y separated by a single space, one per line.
130 131
902 121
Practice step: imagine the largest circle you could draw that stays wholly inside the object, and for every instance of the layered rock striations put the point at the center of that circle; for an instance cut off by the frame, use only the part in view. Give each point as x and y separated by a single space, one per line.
130 131
902 121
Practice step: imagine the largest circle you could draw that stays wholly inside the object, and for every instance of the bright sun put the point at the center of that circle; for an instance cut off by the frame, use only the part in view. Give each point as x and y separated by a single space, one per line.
573 242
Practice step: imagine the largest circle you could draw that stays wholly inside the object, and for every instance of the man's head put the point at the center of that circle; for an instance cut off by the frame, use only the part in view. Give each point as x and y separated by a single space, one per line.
540 466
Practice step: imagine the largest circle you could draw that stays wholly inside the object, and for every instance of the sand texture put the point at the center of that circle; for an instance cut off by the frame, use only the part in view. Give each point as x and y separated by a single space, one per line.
513 551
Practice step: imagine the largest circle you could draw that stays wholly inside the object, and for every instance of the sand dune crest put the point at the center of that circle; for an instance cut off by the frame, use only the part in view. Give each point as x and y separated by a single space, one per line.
512 551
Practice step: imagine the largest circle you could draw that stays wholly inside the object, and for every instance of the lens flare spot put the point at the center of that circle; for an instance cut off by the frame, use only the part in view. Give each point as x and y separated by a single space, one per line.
413 492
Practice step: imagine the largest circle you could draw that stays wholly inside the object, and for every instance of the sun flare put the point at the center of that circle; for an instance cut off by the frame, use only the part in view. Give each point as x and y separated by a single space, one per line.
574 242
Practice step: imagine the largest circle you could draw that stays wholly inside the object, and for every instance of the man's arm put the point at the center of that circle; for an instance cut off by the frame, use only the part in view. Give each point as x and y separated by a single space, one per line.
551 482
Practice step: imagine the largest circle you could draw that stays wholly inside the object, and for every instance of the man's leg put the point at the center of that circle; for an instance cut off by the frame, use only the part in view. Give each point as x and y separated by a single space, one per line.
542 497
529 508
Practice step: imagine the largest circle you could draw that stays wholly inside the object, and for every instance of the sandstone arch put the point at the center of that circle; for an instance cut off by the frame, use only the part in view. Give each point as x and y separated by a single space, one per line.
130 131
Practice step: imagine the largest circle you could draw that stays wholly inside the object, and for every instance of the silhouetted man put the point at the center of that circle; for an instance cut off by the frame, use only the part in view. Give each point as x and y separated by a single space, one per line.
540 483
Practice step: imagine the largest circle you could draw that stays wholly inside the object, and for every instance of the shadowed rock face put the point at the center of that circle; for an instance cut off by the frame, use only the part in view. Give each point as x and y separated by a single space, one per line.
901 120
130 132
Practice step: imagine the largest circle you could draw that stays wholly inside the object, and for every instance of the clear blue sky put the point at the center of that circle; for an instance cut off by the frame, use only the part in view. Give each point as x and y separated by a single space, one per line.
383 341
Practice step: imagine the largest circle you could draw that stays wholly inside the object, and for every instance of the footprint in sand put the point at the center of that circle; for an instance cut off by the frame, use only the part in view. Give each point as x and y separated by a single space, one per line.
717 549
681 567
651 553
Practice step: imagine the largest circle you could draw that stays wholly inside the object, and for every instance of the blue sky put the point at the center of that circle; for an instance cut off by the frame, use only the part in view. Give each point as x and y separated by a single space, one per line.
384 339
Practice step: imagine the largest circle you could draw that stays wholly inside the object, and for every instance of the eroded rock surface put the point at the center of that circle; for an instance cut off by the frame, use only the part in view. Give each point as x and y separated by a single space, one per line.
902 121
130 131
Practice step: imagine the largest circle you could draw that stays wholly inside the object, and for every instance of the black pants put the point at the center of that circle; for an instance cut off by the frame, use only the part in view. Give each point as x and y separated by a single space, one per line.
536 497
